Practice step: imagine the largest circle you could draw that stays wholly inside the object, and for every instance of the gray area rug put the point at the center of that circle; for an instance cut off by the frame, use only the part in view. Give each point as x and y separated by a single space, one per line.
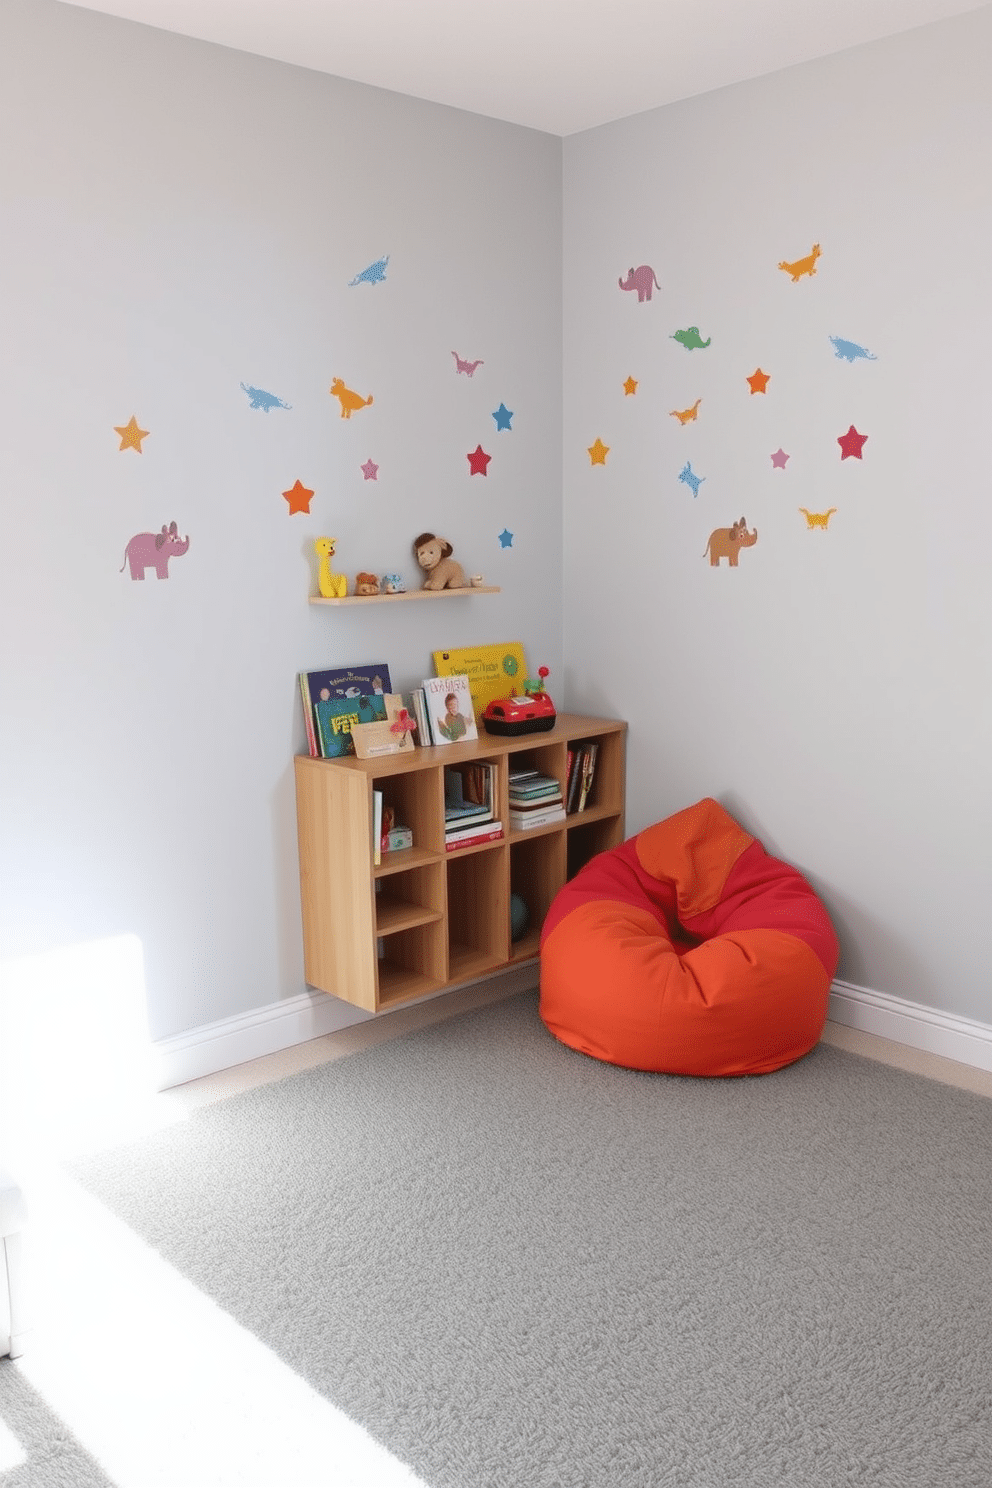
520 1268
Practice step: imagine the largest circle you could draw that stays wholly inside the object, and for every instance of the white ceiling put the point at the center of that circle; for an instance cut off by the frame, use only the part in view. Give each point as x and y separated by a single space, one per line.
555 65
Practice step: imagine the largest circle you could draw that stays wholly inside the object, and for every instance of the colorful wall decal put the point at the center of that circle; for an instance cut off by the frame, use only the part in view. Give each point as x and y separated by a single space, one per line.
690 338
689 478
332 585
818 519
630 387
686 415
598 452
643 279
299 498
502 415
726 542
848 351
506 539
802 266
478 461
349 400
758 381
467 367
374 274
258 398
131 435
153 550
779 459
370 470
851 444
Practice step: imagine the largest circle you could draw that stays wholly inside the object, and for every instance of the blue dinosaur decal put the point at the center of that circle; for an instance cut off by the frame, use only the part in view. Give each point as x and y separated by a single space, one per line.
691 479
374 274
258 398
848 350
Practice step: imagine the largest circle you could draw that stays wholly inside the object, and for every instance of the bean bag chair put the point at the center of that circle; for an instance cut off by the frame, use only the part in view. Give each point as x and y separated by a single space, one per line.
688 950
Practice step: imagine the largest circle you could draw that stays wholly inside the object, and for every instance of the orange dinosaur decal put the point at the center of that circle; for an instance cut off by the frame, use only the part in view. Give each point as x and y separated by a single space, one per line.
686 415
802 266
349 401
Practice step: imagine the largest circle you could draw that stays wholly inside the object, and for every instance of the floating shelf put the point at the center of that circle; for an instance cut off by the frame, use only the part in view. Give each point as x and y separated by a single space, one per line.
367 599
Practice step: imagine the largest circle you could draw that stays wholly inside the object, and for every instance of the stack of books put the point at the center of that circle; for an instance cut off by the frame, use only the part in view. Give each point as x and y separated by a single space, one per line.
581 770
469 805
535 800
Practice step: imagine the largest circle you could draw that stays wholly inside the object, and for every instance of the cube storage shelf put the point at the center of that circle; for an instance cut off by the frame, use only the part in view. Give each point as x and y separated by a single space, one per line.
425 919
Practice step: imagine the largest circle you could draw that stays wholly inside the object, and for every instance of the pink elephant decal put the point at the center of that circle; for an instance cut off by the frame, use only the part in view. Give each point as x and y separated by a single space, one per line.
643 279
153 550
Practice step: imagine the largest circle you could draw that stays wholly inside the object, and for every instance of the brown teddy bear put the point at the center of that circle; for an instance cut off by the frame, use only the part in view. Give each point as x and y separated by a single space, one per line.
434 556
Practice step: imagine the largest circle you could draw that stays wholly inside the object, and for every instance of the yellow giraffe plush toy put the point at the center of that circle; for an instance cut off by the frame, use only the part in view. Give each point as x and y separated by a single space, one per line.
332 585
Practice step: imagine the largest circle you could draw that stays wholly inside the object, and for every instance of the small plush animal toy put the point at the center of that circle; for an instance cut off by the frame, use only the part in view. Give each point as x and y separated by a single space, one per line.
434 556
392 583
366 583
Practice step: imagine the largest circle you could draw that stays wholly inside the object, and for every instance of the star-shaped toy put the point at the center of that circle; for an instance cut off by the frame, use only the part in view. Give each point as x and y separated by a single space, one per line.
758 381
630 387
778 459
503 415
299 498
370 470
131 435
598 452
478 460
506 539
851 444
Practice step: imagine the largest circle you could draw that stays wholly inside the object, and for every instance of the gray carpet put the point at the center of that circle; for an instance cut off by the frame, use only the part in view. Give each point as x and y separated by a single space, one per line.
520 1268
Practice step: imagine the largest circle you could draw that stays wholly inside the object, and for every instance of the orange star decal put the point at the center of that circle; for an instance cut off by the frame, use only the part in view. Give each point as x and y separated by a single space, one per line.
630 386
131 435
758 381
598 452
299 498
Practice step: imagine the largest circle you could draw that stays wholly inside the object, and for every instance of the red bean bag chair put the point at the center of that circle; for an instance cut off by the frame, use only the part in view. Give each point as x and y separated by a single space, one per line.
688 950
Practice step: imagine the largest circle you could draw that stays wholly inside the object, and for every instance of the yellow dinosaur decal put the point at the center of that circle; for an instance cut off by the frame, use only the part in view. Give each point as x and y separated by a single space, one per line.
349 400
686 415
802 266
818 519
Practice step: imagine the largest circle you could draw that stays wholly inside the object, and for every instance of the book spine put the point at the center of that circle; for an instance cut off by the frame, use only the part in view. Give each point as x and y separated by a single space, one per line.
420 713
472 839
536 819
308 721
573 784
588 771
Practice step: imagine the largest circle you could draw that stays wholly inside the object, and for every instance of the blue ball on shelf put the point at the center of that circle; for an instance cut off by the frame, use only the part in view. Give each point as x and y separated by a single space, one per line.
519 917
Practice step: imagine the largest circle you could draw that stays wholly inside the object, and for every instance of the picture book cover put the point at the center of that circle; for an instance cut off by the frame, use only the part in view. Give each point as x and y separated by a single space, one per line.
449 705
335 717
340 682
492 671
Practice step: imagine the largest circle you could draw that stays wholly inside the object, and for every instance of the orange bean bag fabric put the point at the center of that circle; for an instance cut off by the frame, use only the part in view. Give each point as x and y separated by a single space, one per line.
688 950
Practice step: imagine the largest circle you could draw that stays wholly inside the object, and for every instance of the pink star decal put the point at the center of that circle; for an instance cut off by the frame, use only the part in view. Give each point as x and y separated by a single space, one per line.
370 470
851 444
478 460
778 459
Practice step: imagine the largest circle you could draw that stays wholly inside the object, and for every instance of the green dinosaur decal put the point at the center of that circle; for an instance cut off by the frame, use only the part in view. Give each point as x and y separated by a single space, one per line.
689 338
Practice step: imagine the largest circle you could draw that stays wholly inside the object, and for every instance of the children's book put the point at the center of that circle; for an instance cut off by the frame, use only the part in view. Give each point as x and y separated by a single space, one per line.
336 716
339 682
393 735
492 671
449 707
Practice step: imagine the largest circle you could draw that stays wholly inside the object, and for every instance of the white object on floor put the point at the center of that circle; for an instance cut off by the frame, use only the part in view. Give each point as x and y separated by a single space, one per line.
13 1217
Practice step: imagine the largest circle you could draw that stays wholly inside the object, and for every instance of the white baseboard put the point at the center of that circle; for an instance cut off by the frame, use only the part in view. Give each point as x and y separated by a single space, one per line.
279 1025
912 1023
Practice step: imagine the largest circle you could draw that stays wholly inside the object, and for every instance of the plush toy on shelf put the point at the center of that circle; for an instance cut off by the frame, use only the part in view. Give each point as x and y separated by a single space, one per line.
332 585
434 556
366 583
392 583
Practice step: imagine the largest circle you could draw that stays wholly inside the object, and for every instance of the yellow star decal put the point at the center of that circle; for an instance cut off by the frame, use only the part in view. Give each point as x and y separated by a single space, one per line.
131 435
598 452
630 386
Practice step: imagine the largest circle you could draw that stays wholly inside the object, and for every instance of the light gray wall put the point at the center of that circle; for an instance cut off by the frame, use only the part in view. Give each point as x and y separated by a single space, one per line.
178 218
833 690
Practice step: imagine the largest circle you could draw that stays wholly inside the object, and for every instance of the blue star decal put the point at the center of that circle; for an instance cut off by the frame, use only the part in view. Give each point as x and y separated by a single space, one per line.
503 415
506 539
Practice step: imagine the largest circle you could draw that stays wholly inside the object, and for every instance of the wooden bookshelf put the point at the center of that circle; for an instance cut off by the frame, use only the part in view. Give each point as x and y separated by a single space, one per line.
425 920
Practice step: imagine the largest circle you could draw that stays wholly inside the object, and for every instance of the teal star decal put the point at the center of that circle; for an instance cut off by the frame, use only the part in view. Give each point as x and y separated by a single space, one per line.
506 539
503 415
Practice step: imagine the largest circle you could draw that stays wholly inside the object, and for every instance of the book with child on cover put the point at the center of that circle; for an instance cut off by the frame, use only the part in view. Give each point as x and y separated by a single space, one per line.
449 704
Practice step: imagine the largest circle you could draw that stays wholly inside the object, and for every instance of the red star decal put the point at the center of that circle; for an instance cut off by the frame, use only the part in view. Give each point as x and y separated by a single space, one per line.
299 498
758 381
478 460
851 444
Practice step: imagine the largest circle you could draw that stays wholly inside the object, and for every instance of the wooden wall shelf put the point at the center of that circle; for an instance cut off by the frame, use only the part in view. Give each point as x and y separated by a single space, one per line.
368 599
